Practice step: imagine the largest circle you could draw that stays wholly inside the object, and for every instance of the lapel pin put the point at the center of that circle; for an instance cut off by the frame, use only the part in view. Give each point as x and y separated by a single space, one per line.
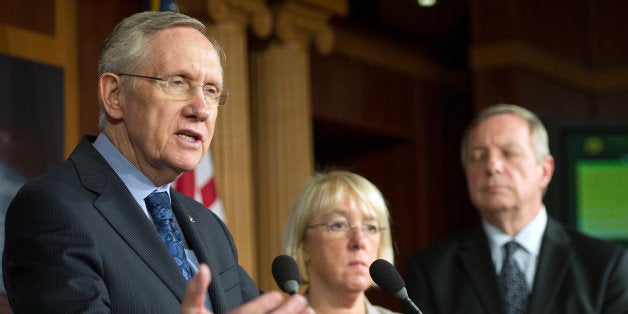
191 219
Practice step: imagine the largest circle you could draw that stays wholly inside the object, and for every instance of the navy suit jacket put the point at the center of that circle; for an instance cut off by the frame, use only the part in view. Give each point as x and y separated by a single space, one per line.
575 274
77 241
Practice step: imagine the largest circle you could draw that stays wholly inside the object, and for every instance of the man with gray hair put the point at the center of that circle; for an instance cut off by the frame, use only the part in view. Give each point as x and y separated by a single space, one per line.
519 260
104 231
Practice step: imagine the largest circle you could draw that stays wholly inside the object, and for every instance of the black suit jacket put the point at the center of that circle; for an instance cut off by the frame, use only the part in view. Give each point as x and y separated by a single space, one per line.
575 274
77 241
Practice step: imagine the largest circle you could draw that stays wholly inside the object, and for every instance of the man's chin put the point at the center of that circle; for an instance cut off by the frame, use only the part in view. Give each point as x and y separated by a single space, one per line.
185 169
495 206
187 164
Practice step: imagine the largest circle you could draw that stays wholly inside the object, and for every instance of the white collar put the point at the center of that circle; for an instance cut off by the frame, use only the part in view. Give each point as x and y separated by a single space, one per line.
529 237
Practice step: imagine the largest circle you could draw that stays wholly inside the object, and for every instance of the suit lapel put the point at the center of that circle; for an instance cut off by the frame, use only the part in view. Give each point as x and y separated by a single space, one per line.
191 225
120 209
554 262
476 260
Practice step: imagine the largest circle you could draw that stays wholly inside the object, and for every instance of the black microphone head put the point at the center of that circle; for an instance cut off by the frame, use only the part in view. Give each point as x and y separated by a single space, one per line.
386 276
286 274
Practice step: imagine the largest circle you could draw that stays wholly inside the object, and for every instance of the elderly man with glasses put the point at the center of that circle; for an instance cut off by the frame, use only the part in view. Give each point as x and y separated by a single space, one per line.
104 231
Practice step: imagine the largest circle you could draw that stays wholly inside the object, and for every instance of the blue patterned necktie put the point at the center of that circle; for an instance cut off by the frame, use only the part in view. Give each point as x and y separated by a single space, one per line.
158 205
512 282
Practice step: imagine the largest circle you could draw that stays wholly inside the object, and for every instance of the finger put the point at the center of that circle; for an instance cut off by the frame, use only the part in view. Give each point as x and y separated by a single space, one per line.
205 276
194 298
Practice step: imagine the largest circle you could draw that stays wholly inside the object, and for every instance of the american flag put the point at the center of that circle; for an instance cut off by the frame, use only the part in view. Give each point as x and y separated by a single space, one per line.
198 183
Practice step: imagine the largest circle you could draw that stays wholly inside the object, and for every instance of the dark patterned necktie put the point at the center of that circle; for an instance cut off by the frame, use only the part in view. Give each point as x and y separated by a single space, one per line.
512 282
158 205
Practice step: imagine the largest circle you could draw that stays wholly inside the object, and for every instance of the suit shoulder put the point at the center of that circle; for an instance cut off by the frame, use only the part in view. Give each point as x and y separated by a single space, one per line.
58 178
593 251
587 243
451 245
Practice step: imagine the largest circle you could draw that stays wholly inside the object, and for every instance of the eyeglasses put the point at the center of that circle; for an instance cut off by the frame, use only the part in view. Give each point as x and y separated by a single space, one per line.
179 88
342 228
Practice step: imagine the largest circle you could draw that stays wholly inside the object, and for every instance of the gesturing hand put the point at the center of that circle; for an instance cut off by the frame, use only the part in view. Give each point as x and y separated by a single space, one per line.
270 302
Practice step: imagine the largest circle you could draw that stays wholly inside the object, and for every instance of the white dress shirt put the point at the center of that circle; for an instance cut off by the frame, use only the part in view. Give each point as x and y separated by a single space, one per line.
529 240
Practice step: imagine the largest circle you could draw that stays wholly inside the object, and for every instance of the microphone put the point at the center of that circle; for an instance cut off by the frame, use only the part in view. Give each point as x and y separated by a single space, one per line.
286 274
386 277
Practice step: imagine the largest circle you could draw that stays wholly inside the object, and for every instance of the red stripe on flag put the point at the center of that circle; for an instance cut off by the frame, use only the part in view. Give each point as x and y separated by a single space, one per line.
208 192
200 185
185 184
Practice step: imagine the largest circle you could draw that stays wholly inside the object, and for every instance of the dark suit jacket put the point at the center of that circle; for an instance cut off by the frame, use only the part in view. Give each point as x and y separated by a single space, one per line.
575 274
77 241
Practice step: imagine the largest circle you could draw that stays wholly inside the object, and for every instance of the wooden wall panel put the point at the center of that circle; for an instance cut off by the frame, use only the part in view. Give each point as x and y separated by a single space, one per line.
531 89
614 105
35 41
609 36
96 19
558 57
558 28
361 95
35 15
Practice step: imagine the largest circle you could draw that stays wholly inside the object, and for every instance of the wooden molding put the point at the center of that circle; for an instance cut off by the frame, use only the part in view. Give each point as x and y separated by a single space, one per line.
337 7
517 54
395 58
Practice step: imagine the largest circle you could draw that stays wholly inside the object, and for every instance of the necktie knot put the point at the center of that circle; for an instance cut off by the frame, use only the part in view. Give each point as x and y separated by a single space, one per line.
158 206
510 248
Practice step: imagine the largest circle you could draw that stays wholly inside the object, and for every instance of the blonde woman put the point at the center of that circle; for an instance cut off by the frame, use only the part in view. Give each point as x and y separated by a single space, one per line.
338 225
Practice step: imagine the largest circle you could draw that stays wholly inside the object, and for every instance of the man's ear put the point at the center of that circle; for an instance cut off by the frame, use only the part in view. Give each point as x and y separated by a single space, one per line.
110 91
547 168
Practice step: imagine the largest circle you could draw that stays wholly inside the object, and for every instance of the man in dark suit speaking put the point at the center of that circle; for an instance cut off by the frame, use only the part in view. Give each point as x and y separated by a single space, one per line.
519 260
104 231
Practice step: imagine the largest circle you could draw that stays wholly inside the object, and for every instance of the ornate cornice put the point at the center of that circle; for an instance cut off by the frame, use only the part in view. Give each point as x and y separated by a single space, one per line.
296 21
254 12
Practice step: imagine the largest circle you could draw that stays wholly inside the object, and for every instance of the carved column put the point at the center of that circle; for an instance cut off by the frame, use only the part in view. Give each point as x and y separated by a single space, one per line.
282 120
228 21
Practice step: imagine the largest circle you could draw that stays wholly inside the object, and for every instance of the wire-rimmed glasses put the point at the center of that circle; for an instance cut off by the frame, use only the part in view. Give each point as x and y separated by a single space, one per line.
180 88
